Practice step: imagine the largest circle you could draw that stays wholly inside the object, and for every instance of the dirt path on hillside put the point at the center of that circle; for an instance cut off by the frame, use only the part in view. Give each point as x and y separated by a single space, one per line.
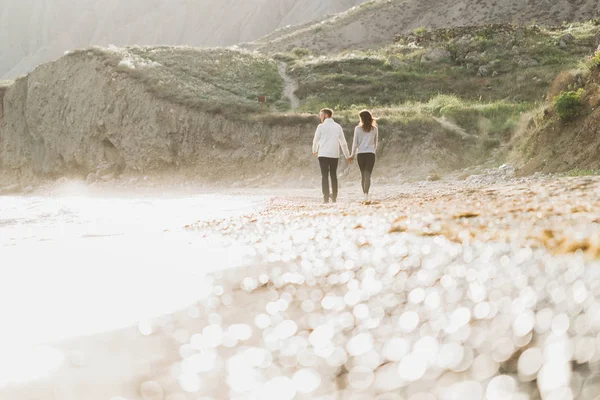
290 86
435 290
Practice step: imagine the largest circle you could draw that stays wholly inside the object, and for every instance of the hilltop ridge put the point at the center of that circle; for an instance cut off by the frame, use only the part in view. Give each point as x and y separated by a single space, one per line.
378 22
38 31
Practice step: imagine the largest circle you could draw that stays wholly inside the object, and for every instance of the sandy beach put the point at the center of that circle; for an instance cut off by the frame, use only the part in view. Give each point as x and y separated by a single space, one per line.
480 289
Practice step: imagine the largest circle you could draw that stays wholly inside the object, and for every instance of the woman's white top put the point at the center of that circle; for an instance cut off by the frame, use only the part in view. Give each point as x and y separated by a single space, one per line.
365 142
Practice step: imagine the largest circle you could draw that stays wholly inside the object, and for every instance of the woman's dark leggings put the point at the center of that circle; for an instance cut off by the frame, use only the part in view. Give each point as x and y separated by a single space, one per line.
366 162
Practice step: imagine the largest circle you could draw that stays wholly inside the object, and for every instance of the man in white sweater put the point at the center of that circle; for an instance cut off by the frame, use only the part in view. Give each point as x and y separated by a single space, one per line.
326 146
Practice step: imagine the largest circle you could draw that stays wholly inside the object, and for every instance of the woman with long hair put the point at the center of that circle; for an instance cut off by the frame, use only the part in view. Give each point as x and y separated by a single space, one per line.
364 146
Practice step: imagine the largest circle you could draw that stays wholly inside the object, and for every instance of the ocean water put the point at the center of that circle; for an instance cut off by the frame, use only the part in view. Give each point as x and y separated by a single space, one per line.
73 265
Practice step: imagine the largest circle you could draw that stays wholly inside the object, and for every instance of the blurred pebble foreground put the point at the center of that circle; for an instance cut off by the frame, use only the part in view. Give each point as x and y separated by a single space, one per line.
442 294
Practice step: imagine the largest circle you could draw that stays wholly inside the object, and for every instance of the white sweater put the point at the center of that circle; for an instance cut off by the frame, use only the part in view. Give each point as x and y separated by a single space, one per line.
365 142
328 139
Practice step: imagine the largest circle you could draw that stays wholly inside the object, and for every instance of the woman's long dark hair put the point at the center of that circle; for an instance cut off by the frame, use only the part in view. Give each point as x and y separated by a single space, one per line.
367 122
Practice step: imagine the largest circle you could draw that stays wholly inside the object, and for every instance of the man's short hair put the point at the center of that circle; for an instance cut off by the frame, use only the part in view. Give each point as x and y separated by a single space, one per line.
328 112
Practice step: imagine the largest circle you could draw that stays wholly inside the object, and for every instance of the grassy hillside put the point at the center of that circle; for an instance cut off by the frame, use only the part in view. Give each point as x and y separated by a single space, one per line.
475 85
215 80
483 78
563 135
478 66
489 63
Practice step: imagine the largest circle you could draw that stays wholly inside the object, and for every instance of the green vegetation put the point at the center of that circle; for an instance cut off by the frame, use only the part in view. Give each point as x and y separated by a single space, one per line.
420 31
495 120
595 60
568 104
301 52
490 144
479 81
482 84
214 80
488 63
582 172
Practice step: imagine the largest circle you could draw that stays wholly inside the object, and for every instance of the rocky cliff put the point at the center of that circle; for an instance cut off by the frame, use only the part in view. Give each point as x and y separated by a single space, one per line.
77 115
37 31
80 116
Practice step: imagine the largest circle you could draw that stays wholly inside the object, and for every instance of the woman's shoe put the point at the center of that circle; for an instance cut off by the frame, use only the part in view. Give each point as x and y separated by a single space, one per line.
366 196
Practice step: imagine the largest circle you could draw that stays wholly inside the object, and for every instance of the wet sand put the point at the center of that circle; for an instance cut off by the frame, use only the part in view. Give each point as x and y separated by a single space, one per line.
433 290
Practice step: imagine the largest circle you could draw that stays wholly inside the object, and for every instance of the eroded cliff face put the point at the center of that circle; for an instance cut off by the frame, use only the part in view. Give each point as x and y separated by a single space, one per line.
79 117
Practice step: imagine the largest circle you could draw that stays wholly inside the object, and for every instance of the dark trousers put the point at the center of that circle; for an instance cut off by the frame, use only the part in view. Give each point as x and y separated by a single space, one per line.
366 162
329 168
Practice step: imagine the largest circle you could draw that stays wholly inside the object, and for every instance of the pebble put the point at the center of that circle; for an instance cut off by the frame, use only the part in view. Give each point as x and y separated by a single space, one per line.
461 303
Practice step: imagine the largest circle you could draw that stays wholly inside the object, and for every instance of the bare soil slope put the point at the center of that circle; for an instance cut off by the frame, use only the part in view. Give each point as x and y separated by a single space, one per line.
550 144
379 21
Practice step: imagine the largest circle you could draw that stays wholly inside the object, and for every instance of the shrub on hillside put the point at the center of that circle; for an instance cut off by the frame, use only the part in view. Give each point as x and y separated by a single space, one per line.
442 101
561 83
568 104
595 59
420 31
301 52
582 172
491 143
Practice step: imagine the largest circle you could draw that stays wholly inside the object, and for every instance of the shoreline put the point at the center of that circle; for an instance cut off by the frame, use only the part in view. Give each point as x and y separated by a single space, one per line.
184 181
330 299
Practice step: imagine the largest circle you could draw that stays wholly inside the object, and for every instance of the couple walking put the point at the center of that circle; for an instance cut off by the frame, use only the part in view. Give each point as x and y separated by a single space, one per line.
329 137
